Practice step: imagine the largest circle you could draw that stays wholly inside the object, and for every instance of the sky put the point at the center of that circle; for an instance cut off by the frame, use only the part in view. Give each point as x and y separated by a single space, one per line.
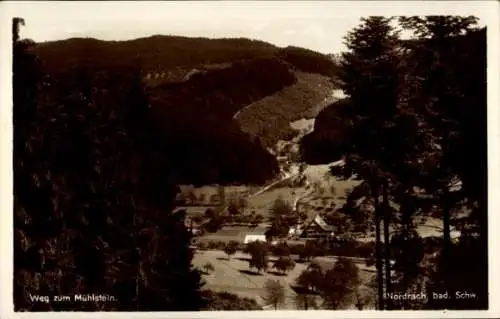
316 25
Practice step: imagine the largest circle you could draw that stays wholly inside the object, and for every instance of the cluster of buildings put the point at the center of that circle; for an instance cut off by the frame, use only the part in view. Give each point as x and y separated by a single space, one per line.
316 228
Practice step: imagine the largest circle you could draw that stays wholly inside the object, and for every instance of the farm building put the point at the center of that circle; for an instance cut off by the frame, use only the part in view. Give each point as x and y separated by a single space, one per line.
317 227
295 232
192 226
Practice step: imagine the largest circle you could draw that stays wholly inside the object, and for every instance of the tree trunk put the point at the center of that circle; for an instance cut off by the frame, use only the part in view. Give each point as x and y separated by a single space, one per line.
386 207
378 255
140 268
446 238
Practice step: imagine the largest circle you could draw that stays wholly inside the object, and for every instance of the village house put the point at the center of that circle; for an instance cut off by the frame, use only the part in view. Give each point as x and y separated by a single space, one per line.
316 228
192 226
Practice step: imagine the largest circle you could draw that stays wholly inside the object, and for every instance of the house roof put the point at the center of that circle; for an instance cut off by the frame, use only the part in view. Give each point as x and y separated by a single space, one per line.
321 223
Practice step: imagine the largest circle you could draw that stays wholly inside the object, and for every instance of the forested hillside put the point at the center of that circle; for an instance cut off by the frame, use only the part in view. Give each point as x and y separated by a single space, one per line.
196 116
195 86
269 118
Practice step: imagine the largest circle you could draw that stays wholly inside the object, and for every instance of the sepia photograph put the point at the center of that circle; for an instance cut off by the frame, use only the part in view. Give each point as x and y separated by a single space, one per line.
225 156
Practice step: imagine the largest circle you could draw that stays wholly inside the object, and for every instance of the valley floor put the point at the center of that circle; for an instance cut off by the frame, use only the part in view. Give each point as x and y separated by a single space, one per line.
233 275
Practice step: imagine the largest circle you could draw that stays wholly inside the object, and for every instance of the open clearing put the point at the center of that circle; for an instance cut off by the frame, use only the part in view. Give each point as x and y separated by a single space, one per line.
233 275
229 233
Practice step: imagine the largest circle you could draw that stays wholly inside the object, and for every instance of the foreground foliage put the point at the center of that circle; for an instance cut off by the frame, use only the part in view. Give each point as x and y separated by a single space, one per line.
414 129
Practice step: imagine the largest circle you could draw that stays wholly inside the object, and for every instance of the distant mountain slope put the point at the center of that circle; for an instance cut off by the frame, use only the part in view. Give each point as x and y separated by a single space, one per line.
199 114
220 93
161 53
152 53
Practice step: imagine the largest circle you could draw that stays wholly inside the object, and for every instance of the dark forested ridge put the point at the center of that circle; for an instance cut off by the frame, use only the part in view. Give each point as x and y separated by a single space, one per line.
152 53
170 52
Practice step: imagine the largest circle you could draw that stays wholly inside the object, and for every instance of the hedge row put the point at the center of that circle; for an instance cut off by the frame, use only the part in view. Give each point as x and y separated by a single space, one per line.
346 248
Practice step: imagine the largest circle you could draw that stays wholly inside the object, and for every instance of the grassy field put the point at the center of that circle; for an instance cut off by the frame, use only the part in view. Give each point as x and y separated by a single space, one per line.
316 175
263 202
233 275
237 233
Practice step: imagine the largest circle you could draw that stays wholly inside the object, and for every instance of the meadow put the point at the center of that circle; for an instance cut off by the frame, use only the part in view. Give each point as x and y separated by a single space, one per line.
235 276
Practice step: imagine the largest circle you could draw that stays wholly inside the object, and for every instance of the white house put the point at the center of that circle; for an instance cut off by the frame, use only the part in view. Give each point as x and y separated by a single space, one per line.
252 238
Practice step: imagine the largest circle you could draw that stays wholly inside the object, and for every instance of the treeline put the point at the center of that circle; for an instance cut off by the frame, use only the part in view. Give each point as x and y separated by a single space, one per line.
414 129
170 52
152 53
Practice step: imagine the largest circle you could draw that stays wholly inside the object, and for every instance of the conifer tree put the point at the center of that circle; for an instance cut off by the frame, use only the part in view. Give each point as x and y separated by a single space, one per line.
370 79
93 193
449 62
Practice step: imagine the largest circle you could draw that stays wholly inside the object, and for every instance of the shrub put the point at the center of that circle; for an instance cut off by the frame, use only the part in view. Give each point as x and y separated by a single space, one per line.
284 264
230 248
274 293
296 249
217 301
282 249
208 267
216 245
201 245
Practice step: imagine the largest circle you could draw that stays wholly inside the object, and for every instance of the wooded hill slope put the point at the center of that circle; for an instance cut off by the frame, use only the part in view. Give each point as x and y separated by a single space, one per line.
194 87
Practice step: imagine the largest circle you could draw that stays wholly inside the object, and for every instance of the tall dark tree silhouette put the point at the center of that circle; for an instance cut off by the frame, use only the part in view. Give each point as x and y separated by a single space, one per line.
414 129
370 79
449 59
93 193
